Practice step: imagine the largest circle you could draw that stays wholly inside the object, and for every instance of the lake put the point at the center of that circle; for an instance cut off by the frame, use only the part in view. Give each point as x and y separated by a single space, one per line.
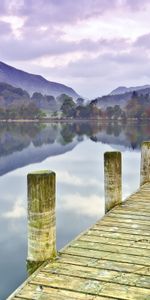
75 152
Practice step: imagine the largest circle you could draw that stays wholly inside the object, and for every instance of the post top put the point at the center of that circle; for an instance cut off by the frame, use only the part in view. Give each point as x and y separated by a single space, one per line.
146 143
41 172
112 153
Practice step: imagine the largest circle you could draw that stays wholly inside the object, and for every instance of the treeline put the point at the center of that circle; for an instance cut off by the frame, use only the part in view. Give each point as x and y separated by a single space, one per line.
138 107
16 103
21 111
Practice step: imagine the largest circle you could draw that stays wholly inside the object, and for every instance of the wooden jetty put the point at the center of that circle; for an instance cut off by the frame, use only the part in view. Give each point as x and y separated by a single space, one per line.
111 260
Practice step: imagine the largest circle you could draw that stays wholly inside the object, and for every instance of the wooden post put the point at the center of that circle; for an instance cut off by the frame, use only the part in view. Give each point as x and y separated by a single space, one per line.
112 179
41 216
145 163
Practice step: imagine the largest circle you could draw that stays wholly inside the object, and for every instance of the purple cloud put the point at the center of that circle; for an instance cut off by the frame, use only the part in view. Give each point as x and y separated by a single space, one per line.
104 58
136 4
65 11
4 29
143 41
3 7
14 49
97 76
57 11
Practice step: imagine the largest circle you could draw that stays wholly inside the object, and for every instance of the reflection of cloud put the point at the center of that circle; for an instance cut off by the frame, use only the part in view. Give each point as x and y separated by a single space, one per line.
66 177
18 211
90 206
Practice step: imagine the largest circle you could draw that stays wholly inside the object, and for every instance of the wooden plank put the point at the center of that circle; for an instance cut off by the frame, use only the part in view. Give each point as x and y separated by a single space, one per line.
120 236
120 257
93 287
105 264
130 279
143 197
110 248
131 212
109 261
144 244
123 224
33 291
136 202
129 216
124 230
133 208
110 218
18 298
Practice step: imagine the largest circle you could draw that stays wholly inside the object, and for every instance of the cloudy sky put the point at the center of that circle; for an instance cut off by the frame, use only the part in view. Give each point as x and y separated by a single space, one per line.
91 45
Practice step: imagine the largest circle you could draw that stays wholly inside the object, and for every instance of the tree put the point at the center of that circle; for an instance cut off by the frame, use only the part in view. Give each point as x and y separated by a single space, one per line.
134 95
68 107
80 101
38 99
109 111
117 111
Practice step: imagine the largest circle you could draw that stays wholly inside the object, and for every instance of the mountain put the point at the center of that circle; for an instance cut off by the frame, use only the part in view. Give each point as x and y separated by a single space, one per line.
33 83
124 89
120 99
17 103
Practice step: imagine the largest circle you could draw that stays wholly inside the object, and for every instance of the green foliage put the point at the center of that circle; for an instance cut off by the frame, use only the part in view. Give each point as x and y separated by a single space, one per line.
68 107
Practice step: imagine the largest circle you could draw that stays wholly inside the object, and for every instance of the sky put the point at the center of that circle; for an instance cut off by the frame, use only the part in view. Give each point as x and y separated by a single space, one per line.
93 46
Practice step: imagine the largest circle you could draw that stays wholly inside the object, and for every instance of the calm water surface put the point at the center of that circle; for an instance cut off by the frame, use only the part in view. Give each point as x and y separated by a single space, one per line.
75 153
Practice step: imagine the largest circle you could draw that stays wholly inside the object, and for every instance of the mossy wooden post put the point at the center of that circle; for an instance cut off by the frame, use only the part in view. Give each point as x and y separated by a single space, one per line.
41 216
145 163
112 179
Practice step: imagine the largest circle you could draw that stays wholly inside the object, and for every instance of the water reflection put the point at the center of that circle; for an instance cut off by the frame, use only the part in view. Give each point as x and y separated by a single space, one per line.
23 144
32 266
75 152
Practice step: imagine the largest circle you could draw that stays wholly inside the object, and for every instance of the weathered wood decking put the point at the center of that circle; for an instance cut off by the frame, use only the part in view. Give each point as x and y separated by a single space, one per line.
109 261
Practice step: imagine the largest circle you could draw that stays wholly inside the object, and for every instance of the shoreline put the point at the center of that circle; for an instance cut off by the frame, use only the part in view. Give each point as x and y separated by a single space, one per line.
52 120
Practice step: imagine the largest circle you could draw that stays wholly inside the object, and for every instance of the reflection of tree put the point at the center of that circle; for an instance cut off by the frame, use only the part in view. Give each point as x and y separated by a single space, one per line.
46 136
67 133
109 129
84 129
114 128
127 134
18 136
136 133
117 129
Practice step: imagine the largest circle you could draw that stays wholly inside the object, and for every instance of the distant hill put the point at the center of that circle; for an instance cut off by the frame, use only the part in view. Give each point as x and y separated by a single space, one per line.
33 83
123 89
12 95
120 99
